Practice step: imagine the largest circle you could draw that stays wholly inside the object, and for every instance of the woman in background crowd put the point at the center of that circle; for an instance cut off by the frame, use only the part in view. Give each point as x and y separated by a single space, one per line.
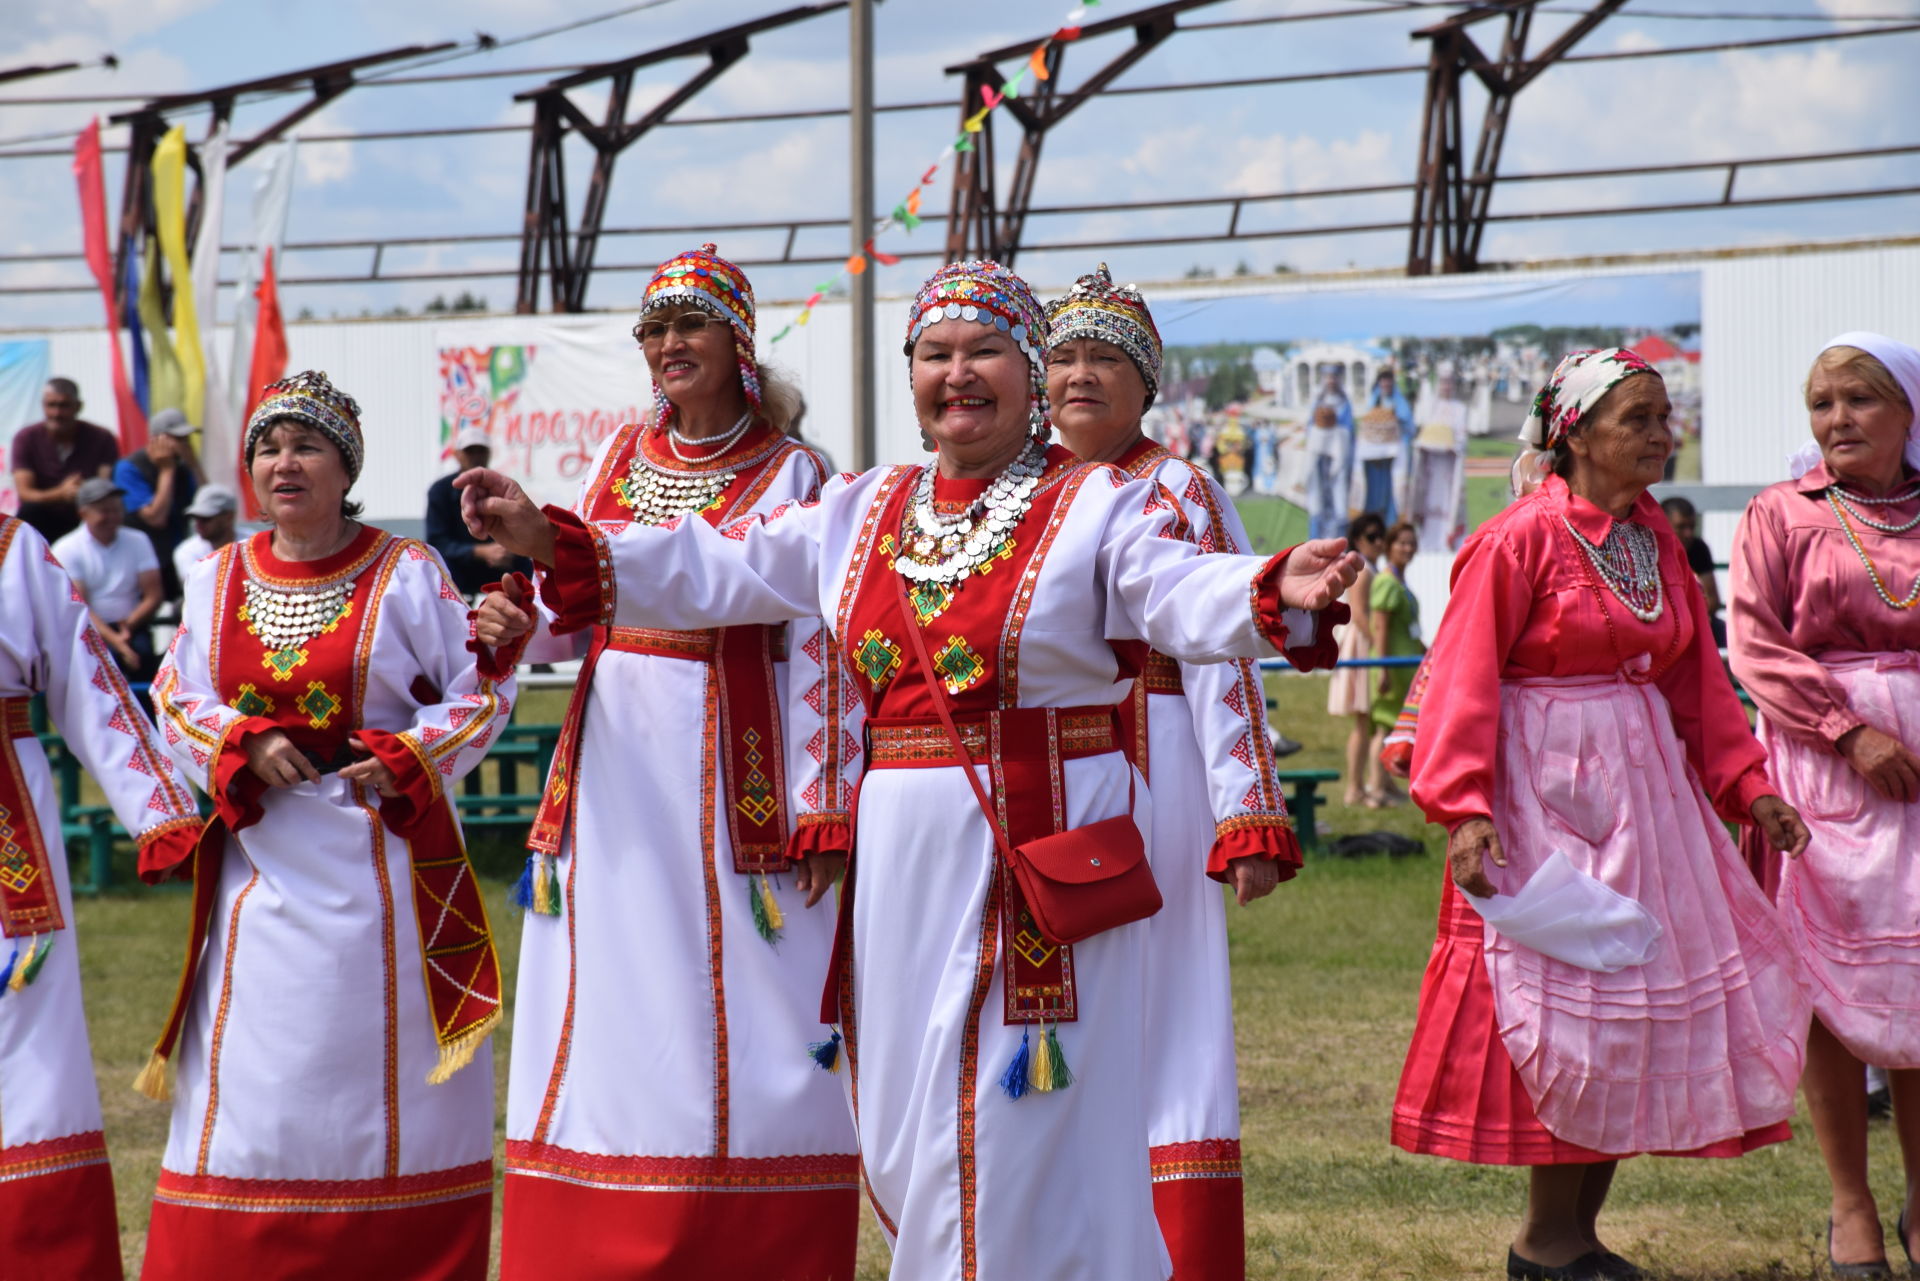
1350 692
1393 615
1826 571
1198 734
1576 712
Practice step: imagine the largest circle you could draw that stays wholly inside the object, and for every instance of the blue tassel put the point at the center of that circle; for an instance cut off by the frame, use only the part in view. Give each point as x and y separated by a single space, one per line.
826 1054
7 973
1014 1079
523 888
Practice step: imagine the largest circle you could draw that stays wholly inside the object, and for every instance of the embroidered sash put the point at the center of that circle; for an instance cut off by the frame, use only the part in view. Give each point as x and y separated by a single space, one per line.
29 904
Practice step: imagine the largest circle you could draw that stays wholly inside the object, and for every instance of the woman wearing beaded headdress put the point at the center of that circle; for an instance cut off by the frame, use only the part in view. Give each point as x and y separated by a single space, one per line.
1824 636
1580 730
333 1101
1198 734
56 1190
996 1076
663 1119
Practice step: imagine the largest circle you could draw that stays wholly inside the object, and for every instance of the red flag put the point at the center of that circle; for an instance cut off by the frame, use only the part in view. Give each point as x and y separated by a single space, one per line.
269 363
93 223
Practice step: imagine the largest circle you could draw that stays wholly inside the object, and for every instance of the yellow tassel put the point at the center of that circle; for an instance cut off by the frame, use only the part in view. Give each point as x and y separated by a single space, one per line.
20 967
1040 1070
152 1080
457 1053
775 917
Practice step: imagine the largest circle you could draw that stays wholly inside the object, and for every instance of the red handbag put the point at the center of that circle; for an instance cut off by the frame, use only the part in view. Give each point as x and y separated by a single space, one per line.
1077 883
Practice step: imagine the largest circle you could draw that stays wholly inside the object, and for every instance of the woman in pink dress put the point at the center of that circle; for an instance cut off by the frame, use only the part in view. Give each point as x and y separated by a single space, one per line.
1824 636
1576 713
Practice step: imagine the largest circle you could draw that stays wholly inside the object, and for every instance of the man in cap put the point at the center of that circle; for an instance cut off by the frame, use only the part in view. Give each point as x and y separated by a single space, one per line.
474 562
212 514
160 481
52 457
116 572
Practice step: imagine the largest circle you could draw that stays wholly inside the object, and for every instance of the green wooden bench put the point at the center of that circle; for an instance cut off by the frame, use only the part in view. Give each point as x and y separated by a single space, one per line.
1303 798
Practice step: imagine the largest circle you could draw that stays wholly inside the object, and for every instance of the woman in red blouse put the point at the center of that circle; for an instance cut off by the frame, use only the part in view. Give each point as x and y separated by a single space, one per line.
1579 725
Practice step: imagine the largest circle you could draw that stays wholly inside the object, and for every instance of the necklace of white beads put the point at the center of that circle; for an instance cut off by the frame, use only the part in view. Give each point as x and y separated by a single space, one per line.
1853 502
942 548
1628 562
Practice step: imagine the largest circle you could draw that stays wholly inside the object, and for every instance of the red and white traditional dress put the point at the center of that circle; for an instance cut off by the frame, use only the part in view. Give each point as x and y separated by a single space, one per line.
944 979
664 1118
1581 729
1198 734
329 1115
56 1192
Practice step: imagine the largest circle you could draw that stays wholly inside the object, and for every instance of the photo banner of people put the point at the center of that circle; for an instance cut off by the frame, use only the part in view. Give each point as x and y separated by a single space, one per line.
1314 406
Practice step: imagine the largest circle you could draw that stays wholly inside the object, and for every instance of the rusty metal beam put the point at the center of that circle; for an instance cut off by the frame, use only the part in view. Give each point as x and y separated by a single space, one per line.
1452 195
545 225
978 226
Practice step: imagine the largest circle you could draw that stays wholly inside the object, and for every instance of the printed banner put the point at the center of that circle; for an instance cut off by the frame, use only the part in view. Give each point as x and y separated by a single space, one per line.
546 394
24 369
1321 404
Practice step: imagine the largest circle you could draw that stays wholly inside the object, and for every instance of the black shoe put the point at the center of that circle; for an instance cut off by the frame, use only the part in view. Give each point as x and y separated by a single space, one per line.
1590 1266
1877 1271
1281 744
1615 1268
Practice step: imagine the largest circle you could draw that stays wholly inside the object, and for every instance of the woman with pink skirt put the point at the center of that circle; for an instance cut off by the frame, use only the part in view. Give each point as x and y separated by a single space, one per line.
1577 725
1824 636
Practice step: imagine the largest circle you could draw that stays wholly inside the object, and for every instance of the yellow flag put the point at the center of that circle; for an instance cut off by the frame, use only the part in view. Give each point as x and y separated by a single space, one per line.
163 366
973 123
170 213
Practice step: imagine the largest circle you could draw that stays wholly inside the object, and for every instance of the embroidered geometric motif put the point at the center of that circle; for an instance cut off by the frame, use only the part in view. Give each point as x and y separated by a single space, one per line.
447 591
959 668
817 745
930 600
877 658
431 734
1005 553
849 747
16 872
251 702
810 794
159 801
415 551
886 546
1243 750
817 698
1252 800
1035 949
282 662
1235 701
1196 492
199 757
757 800
318 703
120 722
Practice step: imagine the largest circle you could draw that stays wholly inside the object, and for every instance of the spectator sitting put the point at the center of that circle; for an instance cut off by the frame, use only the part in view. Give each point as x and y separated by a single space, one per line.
212 513
116 572
52 457
473 562
160 481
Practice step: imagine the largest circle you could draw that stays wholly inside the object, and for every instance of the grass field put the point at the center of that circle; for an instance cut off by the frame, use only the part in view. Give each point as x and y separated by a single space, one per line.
1325 978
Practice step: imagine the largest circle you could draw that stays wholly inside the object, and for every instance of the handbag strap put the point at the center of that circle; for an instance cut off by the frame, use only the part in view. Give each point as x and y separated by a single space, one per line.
941 705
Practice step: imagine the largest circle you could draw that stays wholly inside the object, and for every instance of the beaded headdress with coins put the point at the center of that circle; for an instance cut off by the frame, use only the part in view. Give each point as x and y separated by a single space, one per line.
1097 308
986 293
309 398
702 278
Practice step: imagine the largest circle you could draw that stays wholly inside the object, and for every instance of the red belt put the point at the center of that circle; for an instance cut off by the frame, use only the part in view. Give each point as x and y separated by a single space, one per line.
1161 675
921 742
16 718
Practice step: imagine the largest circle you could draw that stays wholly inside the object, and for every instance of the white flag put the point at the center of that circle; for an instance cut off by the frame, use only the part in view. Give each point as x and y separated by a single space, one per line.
219 440
271 198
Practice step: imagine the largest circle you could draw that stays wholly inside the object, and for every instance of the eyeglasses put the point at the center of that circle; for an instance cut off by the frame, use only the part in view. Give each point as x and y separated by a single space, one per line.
687 325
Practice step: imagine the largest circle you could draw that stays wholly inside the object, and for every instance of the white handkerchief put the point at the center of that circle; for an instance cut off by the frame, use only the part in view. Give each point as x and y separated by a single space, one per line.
1572 917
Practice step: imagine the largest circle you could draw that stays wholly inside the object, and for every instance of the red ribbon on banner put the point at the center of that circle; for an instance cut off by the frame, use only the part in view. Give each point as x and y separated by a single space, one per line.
88 173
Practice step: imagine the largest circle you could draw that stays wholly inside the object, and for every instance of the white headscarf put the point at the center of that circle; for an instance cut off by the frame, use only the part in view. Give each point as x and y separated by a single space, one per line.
1903 362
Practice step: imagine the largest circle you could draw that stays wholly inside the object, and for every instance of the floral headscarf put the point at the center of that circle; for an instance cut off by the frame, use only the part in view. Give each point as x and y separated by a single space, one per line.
1579 383
1903 362
707 281
983 291
1096 308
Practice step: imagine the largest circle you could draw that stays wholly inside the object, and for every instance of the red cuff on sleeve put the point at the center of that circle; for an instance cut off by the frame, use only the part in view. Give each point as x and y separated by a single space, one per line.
236 790
579 586
166 851
820 834
1737 805
498 664
419 784
1255 836
1324 652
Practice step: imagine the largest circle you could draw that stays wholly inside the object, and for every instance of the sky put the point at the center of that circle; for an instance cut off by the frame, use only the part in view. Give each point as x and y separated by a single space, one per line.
1851 94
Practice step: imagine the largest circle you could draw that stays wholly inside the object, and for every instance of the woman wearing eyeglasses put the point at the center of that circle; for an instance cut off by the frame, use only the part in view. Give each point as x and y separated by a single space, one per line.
663 1117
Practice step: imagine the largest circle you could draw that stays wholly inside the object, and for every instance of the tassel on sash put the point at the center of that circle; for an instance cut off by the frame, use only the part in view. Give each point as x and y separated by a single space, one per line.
826 1054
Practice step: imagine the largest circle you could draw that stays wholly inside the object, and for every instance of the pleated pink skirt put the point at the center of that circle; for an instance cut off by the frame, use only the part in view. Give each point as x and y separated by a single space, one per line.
1520 1059
1350 691
1851 903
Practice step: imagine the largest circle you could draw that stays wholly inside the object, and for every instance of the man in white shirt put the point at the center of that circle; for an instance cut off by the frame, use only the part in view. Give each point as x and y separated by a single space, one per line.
212 512
117 572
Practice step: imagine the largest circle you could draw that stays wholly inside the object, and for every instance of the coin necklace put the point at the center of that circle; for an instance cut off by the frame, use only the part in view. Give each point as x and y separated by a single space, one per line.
286 618
1840 509
941 548
657 494
1628 561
